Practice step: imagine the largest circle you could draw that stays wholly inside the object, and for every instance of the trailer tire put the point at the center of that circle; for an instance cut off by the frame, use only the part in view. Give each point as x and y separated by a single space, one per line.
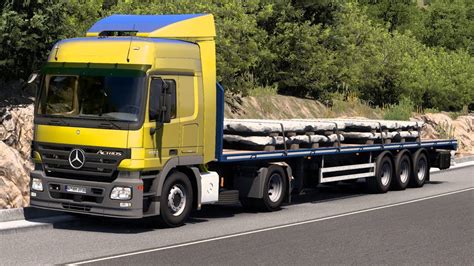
380 183
403 170
421 169
275 185
176 200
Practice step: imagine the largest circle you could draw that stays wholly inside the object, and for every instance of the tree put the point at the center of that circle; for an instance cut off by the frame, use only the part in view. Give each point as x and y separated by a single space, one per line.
28 30
240 42
450 24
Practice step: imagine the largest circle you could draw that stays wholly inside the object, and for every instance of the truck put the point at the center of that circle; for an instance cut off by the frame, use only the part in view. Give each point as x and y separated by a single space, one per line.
129 123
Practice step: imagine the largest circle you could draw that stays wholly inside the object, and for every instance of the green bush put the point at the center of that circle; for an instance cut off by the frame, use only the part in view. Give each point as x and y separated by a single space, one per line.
29 29
401 111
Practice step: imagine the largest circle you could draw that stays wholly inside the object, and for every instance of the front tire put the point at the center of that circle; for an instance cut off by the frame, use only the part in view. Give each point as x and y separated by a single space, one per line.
177 200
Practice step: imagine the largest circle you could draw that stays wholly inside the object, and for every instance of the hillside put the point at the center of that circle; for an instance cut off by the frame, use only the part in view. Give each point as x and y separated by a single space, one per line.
281 107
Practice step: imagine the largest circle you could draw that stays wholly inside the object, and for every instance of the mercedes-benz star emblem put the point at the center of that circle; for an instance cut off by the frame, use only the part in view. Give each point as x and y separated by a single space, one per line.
77 158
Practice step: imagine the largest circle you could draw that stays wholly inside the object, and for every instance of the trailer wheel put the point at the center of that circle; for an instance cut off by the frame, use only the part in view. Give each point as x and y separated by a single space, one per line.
177 200
421 169
274 188
380 183
403 171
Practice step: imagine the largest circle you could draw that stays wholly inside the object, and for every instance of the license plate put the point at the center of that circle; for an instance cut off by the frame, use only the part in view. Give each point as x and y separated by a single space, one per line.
76 189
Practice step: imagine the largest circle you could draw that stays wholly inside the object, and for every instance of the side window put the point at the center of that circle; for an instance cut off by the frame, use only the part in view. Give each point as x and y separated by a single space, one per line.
155 101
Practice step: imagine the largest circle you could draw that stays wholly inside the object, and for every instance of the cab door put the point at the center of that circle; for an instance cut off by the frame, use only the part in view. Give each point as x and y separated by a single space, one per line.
188 114
165 142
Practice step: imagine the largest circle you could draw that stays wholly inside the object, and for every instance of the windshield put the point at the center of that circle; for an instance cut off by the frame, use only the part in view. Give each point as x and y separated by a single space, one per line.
88 93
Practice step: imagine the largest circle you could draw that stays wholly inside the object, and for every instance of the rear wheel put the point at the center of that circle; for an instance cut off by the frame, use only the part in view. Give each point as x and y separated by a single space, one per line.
177 200
273 191
380 183
402 171
421 170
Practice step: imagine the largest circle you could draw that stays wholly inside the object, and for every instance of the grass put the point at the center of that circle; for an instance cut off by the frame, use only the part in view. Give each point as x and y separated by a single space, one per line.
445 130
349 105
401 111
263 91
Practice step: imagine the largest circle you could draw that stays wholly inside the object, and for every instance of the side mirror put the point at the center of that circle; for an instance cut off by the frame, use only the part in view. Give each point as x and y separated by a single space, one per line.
166 108
160 102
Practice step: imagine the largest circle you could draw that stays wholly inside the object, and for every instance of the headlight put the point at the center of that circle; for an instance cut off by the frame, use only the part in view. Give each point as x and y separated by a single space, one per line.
36 184
121 193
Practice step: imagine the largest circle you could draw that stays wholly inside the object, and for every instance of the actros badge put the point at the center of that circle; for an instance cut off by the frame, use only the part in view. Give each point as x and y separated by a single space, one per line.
77 158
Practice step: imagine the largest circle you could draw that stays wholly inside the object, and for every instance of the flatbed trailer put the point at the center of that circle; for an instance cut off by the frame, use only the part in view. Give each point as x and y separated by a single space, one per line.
129 123
312 166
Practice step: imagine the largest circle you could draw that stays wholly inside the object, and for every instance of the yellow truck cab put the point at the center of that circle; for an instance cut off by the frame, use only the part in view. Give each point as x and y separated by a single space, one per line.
133 99
129 123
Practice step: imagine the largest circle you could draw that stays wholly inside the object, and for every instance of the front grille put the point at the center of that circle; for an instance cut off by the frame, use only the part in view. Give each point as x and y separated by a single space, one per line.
98 166
76 207
75 197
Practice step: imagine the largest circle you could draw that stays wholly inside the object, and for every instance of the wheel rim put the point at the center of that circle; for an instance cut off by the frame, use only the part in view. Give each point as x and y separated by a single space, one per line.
420 174
177 200
275 187
404 171
386 174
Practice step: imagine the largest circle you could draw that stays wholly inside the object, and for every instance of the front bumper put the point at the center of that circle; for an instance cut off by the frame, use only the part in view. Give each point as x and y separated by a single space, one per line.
96 200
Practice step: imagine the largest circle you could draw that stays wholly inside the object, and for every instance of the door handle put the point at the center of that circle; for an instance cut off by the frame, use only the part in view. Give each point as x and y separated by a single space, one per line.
173 152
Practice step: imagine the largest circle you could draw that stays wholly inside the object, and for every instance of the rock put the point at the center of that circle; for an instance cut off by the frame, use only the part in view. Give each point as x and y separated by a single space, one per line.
14 178
16 129
16 134
441 126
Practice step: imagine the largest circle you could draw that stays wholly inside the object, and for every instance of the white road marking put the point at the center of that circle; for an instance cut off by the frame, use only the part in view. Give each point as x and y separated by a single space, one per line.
267 229
455 166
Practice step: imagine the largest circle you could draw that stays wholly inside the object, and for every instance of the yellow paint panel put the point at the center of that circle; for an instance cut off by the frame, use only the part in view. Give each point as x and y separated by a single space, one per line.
187 98
202 26
87 50
82 136
208 57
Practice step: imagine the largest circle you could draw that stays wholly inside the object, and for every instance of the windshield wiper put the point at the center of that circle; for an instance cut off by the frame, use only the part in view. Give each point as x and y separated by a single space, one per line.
106 122
58 122
109 122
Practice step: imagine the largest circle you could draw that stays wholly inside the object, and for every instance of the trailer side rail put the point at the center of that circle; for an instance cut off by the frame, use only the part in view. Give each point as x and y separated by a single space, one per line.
281 154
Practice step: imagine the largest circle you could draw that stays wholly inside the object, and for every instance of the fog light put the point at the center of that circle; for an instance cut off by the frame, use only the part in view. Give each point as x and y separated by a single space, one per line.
121 193
36 184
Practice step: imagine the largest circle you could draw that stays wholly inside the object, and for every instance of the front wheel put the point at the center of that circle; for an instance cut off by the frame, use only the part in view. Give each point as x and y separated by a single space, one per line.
177 200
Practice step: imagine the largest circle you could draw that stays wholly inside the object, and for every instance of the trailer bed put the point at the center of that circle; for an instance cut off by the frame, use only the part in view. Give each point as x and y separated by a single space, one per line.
229 155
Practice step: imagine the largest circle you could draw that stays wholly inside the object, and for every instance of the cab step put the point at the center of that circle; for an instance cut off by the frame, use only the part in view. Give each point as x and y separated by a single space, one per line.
228 197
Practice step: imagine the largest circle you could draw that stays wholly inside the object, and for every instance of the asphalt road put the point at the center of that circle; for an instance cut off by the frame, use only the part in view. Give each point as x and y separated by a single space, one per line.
343 224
